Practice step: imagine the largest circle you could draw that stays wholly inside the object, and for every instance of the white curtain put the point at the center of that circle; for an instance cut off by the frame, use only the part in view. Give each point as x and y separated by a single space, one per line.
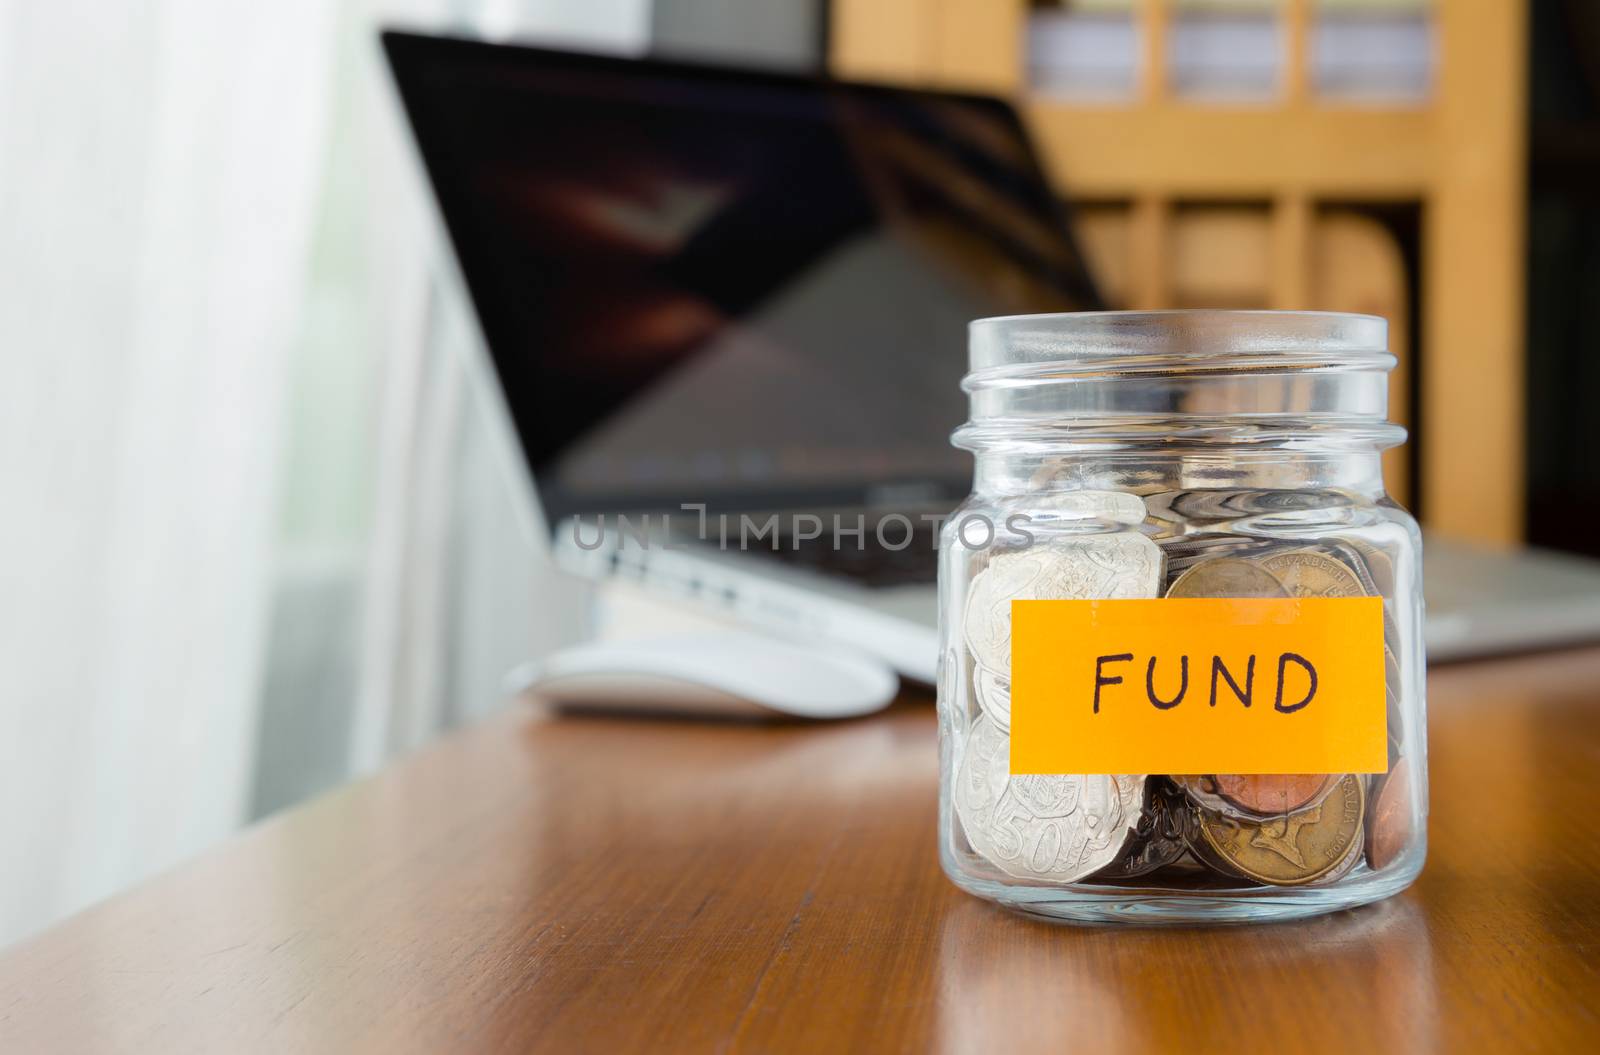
157 169
253 538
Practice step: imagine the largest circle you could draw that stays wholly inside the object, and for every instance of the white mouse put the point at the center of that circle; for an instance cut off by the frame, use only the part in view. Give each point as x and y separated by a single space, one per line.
726 674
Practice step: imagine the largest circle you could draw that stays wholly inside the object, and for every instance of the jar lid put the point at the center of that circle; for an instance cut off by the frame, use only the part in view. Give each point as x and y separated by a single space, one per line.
1200 377
1146 341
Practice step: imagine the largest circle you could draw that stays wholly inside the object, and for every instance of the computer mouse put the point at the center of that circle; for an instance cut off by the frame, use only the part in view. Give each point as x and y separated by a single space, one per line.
731 674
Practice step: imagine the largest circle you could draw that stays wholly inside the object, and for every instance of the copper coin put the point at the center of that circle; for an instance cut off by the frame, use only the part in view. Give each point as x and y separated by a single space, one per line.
1269 794
1389 821
1226 577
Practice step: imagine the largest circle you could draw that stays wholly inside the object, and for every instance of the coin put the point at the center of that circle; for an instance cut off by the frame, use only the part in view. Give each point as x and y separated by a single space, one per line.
1379 565
994 695
1294 848
1055 486
1056 829
1344 867
1226 577
1354 557
1202 851
1125 564
1114 506
987 622
1255 796
953 712
1202 791
1376 572
1267 795
983 772
1394 718
1157 837
1389 821
1347 554
1186 550
1310 573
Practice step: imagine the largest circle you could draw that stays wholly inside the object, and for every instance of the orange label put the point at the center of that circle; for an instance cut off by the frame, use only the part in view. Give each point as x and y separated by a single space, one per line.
1186 685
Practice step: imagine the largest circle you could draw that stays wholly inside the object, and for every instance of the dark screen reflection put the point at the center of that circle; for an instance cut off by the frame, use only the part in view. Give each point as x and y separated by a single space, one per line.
749 290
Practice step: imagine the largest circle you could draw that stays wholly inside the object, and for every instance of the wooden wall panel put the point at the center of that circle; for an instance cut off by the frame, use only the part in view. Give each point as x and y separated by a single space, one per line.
1472 401
978 45
883 40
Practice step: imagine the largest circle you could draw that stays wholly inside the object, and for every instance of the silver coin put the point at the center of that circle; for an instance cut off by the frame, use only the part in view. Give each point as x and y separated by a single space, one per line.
1056 829
987 620
1094 566
1041 500
983 775
952 710
1185 551
1115 506
994 695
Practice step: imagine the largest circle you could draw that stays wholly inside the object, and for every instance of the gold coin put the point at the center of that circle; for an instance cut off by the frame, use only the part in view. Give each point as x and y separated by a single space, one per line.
1376 572
1293 849
1309 573
1226 577
1347 554
1377 566
1188 817
1201 851
1344 867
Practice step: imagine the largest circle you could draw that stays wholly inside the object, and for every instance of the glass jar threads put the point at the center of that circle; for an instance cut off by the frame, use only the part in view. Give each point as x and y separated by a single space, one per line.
1181 673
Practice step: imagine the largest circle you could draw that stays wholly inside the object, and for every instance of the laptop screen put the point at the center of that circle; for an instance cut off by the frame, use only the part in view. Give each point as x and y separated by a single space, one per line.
747 290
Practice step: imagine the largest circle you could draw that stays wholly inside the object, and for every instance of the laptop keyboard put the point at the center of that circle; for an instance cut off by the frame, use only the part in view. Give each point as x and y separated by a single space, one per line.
868 563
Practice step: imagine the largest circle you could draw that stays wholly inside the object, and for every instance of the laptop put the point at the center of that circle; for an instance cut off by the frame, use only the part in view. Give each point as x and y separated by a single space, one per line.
739 299
726 311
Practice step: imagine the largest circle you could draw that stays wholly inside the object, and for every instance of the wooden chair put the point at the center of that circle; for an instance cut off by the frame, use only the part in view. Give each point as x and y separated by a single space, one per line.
1457 156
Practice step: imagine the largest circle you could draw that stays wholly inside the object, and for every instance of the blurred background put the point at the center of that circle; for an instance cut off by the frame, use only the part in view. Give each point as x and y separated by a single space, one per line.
258 535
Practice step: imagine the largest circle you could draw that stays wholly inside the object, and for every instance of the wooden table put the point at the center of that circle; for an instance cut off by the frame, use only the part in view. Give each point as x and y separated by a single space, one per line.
604 885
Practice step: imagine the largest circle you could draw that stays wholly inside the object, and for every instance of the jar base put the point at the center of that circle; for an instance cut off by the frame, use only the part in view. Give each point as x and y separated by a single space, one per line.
1085 904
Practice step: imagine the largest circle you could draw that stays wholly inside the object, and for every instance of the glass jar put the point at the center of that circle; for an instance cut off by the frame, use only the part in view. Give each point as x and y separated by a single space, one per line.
1181 675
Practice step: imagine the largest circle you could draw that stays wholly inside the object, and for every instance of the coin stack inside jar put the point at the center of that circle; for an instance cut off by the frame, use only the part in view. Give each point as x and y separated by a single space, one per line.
1281 830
